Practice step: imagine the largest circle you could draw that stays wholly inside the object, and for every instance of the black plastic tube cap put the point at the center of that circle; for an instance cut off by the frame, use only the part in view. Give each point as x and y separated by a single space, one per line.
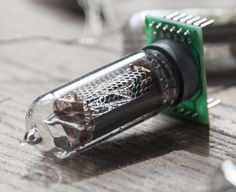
183 63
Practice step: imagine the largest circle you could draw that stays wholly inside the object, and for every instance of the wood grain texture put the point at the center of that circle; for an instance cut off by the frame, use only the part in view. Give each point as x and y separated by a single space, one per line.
161 154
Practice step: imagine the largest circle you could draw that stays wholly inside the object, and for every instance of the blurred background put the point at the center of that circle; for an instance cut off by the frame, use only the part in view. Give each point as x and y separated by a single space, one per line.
46 43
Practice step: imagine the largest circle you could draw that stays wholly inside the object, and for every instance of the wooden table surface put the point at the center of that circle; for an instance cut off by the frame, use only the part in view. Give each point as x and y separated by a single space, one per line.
160 154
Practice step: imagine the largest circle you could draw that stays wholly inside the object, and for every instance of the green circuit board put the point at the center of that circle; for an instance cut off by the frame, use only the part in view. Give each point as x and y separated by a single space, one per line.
194 108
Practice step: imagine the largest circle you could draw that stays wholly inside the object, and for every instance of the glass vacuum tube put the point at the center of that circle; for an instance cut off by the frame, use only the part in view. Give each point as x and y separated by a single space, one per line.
90 109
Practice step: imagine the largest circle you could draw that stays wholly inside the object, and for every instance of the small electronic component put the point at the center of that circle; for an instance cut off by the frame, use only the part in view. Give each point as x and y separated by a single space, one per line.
167 75
224 178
